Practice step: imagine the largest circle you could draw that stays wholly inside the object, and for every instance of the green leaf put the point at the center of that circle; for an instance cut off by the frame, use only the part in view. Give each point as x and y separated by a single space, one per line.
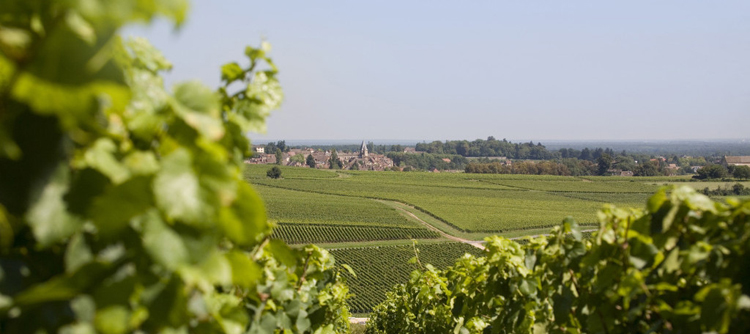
245 272
80 27
283 253
84 308
528 287
265 88
145 55
64 287
112 211
163 244
77 254
254 53
245 222
656 200
73 104
169 307
108 14
14 41
101 156
198 106
349 269
142 163
78 328
112 320
231 72
176 189
303 322
715 311
48 217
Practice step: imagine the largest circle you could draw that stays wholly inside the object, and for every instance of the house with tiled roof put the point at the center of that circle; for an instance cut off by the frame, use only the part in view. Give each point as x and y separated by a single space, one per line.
736 160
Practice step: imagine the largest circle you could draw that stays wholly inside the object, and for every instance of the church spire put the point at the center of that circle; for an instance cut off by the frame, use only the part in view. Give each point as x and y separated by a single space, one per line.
363 150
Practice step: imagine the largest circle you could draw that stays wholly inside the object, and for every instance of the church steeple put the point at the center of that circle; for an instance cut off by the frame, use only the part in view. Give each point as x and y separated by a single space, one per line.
363 150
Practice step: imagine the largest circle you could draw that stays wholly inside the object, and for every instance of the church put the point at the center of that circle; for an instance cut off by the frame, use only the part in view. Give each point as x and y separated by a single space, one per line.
364 160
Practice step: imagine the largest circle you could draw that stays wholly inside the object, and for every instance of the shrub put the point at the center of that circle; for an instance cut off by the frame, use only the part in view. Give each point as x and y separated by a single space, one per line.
274 172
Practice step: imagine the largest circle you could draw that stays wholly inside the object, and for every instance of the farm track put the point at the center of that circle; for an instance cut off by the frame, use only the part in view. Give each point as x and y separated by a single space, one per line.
477 244
445 235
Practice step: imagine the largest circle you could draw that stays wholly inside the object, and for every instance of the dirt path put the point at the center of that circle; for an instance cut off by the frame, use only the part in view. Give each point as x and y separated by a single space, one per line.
477 244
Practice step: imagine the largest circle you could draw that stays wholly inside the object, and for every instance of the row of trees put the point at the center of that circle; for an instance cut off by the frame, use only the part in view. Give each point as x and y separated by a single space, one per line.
425 161
279 145
487 148
738 189
525 167
716 171
607 158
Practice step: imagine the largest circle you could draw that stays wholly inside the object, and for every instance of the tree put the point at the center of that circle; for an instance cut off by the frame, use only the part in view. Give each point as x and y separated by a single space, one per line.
281 144
334 162
648 168
711 171
604 163
274 172
741 172
585 154
297 158
279 157
270 147
122 205
738 189
310 161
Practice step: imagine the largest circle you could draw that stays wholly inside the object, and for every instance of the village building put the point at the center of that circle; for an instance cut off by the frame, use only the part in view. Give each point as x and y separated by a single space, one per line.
736 160
365 160
362 158
363 152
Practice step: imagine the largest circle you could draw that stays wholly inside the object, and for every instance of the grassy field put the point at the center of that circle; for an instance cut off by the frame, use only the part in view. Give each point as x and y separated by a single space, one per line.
468 203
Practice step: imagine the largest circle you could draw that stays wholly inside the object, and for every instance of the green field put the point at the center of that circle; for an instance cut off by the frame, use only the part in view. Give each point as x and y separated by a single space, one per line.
470 203
378 269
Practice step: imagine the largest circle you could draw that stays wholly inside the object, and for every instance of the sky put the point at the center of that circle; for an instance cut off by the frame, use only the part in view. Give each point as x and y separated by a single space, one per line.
440 70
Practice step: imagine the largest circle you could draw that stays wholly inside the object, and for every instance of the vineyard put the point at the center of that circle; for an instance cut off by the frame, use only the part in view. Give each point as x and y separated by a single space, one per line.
305 234
378 269
469 203
679 266
298 207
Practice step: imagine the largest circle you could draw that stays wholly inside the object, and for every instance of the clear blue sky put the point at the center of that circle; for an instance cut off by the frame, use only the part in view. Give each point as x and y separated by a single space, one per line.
424 70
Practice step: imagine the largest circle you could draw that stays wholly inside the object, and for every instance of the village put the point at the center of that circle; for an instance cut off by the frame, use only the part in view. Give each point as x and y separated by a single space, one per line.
359 160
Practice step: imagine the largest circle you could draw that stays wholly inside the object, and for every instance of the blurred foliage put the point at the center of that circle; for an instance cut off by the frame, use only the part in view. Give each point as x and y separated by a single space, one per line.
122 204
